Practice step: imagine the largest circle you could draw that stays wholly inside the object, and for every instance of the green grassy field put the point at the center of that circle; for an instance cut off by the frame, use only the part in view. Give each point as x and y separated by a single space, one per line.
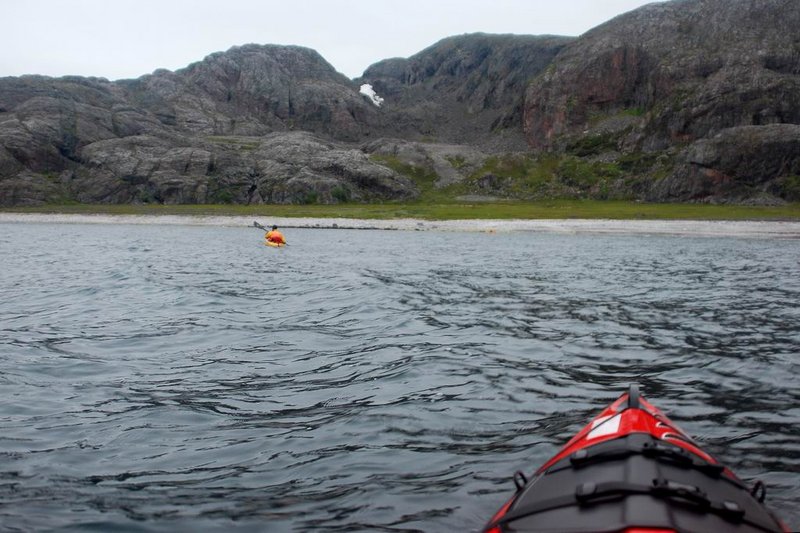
549 209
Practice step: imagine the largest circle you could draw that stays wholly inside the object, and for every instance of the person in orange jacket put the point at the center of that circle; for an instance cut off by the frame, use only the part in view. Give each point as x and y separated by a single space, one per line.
275 236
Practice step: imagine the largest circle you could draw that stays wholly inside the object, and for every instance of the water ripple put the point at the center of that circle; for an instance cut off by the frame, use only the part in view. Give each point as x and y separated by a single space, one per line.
186 378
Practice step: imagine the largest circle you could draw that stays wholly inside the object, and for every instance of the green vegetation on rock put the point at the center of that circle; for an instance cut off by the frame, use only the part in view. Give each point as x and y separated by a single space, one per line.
529 177
422 177
791 188
591 145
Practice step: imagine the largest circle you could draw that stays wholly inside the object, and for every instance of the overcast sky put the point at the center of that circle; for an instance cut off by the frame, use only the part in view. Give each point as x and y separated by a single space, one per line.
128 38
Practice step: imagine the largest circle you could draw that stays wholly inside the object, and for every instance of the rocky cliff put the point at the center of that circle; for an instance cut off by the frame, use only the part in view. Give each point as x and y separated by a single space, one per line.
687 100
682 78
467 89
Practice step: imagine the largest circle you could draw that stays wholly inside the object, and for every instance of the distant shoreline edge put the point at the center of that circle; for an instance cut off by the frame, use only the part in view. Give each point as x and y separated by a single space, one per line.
698 228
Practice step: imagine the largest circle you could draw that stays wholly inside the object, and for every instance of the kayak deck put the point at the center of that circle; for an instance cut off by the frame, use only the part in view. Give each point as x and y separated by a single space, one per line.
633 470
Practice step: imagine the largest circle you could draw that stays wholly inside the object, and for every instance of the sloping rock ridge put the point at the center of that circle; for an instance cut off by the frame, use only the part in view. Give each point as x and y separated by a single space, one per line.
686 100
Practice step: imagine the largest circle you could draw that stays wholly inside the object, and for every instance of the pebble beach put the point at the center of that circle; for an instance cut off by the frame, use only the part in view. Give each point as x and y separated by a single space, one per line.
696 228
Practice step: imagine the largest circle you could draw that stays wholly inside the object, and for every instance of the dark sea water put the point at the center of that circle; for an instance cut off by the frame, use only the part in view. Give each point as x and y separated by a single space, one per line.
179 378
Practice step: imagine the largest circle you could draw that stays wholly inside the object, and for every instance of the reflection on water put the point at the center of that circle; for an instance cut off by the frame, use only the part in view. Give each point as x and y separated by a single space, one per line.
157 378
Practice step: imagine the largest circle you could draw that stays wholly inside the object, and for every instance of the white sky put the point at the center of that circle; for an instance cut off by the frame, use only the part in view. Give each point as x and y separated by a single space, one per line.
128 38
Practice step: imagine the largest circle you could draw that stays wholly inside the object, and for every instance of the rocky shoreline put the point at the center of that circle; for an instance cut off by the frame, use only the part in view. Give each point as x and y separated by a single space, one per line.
691 228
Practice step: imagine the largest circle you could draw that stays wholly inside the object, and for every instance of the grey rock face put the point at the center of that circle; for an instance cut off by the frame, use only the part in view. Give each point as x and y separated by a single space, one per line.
299 167
254 90
278 168
141 169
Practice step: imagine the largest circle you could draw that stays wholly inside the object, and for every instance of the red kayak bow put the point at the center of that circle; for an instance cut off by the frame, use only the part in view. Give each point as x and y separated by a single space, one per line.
632 470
